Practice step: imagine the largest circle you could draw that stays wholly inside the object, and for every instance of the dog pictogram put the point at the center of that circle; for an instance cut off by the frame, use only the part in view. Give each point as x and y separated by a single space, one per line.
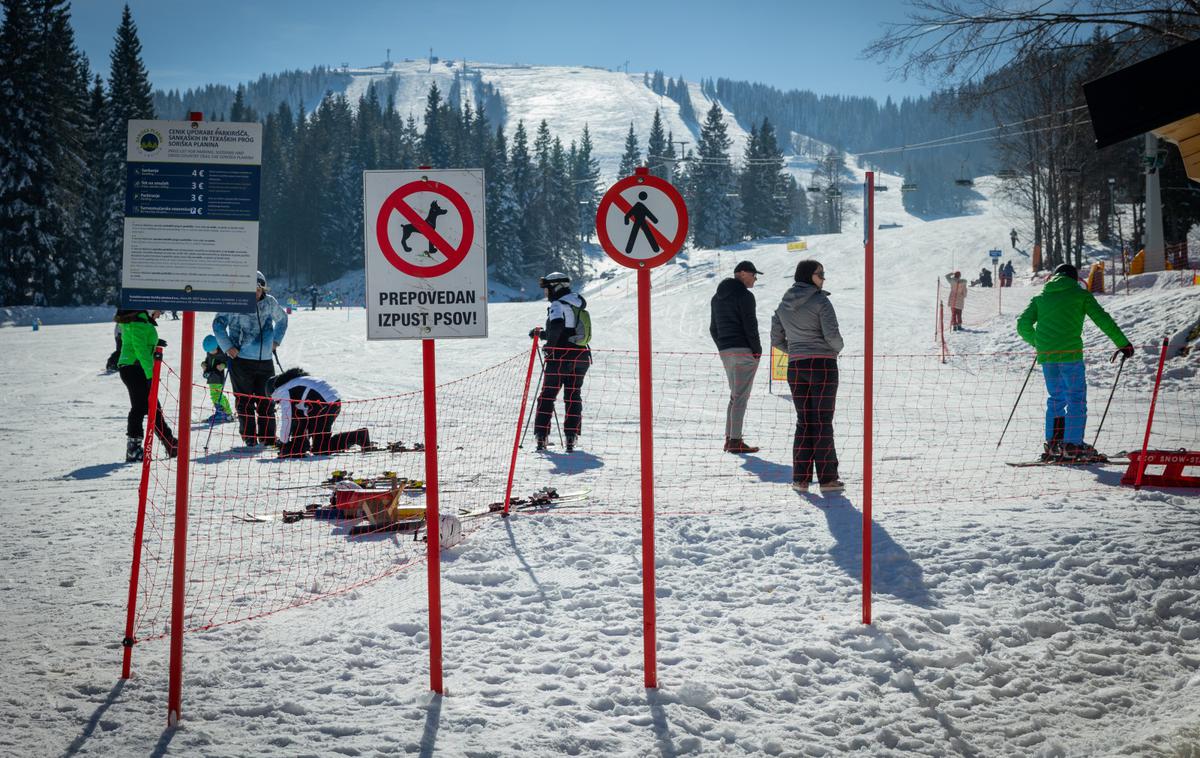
431 218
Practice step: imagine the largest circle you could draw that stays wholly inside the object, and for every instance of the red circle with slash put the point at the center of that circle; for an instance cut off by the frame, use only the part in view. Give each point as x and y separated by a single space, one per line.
669 247
396 202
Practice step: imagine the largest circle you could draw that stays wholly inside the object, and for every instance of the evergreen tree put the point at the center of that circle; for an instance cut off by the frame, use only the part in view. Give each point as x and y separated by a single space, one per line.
503 218
632 158
89 285
765 207
713 205
26 237
656 149
128 98
434 149
585 178
239 111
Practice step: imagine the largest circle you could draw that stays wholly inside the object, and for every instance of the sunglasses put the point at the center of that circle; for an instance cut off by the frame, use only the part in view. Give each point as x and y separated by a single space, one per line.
821 274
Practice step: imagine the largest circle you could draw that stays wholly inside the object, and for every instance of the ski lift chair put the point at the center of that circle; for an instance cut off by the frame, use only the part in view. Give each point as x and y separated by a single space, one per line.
908 187
1006 173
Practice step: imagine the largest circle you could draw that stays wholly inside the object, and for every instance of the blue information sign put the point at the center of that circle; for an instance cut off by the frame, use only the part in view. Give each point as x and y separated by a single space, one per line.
994 253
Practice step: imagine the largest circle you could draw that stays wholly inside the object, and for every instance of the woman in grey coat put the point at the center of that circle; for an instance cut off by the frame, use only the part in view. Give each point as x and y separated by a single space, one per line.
806 327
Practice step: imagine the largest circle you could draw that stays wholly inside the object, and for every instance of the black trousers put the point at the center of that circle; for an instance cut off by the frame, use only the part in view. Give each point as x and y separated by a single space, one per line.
814 384
567 373
311 432
256 412
138 386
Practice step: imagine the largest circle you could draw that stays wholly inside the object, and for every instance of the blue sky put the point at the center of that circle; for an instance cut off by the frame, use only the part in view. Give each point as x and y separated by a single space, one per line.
789 45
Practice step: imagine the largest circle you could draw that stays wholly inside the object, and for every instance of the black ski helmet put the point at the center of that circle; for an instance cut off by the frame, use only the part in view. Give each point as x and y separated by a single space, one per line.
555 281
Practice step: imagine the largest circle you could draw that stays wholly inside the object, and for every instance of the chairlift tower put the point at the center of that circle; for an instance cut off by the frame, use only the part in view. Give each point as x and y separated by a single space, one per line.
1155 257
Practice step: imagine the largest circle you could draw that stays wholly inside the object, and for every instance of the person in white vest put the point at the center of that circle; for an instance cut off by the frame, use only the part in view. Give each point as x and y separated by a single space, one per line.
308 407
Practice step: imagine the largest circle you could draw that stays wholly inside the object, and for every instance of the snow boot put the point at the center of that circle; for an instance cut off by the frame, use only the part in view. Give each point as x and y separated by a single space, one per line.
801 486
133 450
541 442
570 443
735 445
832 487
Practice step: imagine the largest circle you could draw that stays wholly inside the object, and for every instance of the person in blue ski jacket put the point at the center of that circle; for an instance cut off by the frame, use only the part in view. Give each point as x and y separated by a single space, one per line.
250 339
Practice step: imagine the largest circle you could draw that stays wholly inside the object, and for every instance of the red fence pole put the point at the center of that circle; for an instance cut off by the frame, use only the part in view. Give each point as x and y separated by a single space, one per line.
179 557
143 490
512 464
868 390
649 624
433 545
1162 359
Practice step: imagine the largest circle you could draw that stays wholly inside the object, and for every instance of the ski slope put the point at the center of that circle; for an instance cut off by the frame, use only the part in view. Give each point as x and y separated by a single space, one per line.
567 98
1032 624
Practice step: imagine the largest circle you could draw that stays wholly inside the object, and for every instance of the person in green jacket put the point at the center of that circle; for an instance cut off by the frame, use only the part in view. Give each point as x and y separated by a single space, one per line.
139 337
1053 324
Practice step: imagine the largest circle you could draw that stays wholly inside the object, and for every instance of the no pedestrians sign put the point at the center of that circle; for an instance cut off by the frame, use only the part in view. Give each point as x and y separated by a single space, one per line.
642 221
426 255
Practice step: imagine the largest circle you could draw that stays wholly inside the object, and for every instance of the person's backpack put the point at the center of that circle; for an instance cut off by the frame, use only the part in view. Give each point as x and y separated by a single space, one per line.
583 327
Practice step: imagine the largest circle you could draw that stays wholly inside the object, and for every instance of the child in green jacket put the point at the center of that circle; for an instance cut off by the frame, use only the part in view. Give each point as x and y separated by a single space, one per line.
139 338
213 367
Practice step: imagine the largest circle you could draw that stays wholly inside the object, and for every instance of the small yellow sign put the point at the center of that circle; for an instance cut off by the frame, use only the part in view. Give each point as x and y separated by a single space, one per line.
796 246
779 364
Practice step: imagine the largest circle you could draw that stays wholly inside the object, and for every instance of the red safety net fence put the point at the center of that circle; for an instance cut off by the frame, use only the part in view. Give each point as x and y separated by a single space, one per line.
937 425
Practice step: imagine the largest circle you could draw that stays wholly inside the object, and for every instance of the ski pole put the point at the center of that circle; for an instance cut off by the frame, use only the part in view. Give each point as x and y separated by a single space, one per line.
554 409
277 361
534 404
1110 397
1019 394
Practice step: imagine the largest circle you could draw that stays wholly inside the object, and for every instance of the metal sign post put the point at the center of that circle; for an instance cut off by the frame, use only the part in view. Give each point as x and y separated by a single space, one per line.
424 237
642 222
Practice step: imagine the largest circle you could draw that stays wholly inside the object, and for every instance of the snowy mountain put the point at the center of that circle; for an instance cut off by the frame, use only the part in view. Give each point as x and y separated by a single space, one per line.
566 97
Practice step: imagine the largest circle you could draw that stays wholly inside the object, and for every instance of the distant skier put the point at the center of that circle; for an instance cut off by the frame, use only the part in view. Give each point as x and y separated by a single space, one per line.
733 324
805 326
213 367
1006 274
1013 236
139 337
250 339
308 407
568 357
956 299
1053 324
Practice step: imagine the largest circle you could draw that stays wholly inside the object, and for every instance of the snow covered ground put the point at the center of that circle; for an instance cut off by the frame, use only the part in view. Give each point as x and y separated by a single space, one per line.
1016 612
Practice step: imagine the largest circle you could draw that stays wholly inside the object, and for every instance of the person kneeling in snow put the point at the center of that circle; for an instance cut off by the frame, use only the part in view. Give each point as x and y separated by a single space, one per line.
307 409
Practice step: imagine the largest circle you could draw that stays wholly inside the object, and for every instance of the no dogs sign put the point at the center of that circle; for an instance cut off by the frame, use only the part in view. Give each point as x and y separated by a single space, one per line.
642 221
426 255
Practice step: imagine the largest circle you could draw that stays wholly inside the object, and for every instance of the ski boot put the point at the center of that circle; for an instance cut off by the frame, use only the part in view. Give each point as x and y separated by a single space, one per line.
1082 452
1052 452
133 450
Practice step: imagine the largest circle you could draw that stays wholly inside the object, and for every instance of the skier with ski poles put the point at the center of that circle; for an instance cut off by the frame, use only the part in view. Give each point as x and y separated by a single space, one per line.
568 357
250 339
1053 325
213 368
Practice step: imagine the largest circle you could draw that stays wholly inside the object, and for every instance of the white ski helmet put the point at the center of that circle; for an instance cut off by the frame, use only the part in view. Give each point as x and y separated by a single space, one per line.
450 531
554 281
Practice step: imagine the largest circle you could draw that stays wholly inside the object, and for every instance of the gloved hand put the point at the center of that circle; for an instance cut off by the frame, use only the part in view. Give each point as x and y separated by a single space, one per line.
535 332
1125 352
162 343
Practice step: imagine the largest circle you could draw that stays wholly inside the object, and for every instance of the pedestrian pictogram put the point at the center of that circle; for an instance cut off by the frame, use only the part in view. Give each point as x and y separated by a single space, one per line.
414 204
642 221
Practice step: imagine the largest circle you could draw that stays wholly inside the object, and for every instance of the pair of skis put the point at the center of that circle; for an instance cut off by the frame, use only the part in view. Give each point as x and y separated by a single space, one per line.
1119 459
545 499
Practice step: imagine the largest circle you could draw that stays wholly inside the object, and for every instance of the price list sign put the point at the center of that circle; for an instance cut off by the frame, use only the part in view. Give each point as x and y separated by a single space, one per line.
191 215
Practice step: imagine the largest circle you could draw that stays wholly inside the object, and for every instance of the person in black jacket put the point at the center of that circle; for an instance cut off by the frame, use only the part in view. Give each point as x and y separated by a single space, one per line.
567 358
734 327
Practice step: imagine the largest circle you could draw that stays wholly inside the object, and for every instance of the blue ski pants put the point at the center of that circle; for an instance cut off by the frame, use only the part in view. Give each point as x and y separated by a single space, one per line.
1066 389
